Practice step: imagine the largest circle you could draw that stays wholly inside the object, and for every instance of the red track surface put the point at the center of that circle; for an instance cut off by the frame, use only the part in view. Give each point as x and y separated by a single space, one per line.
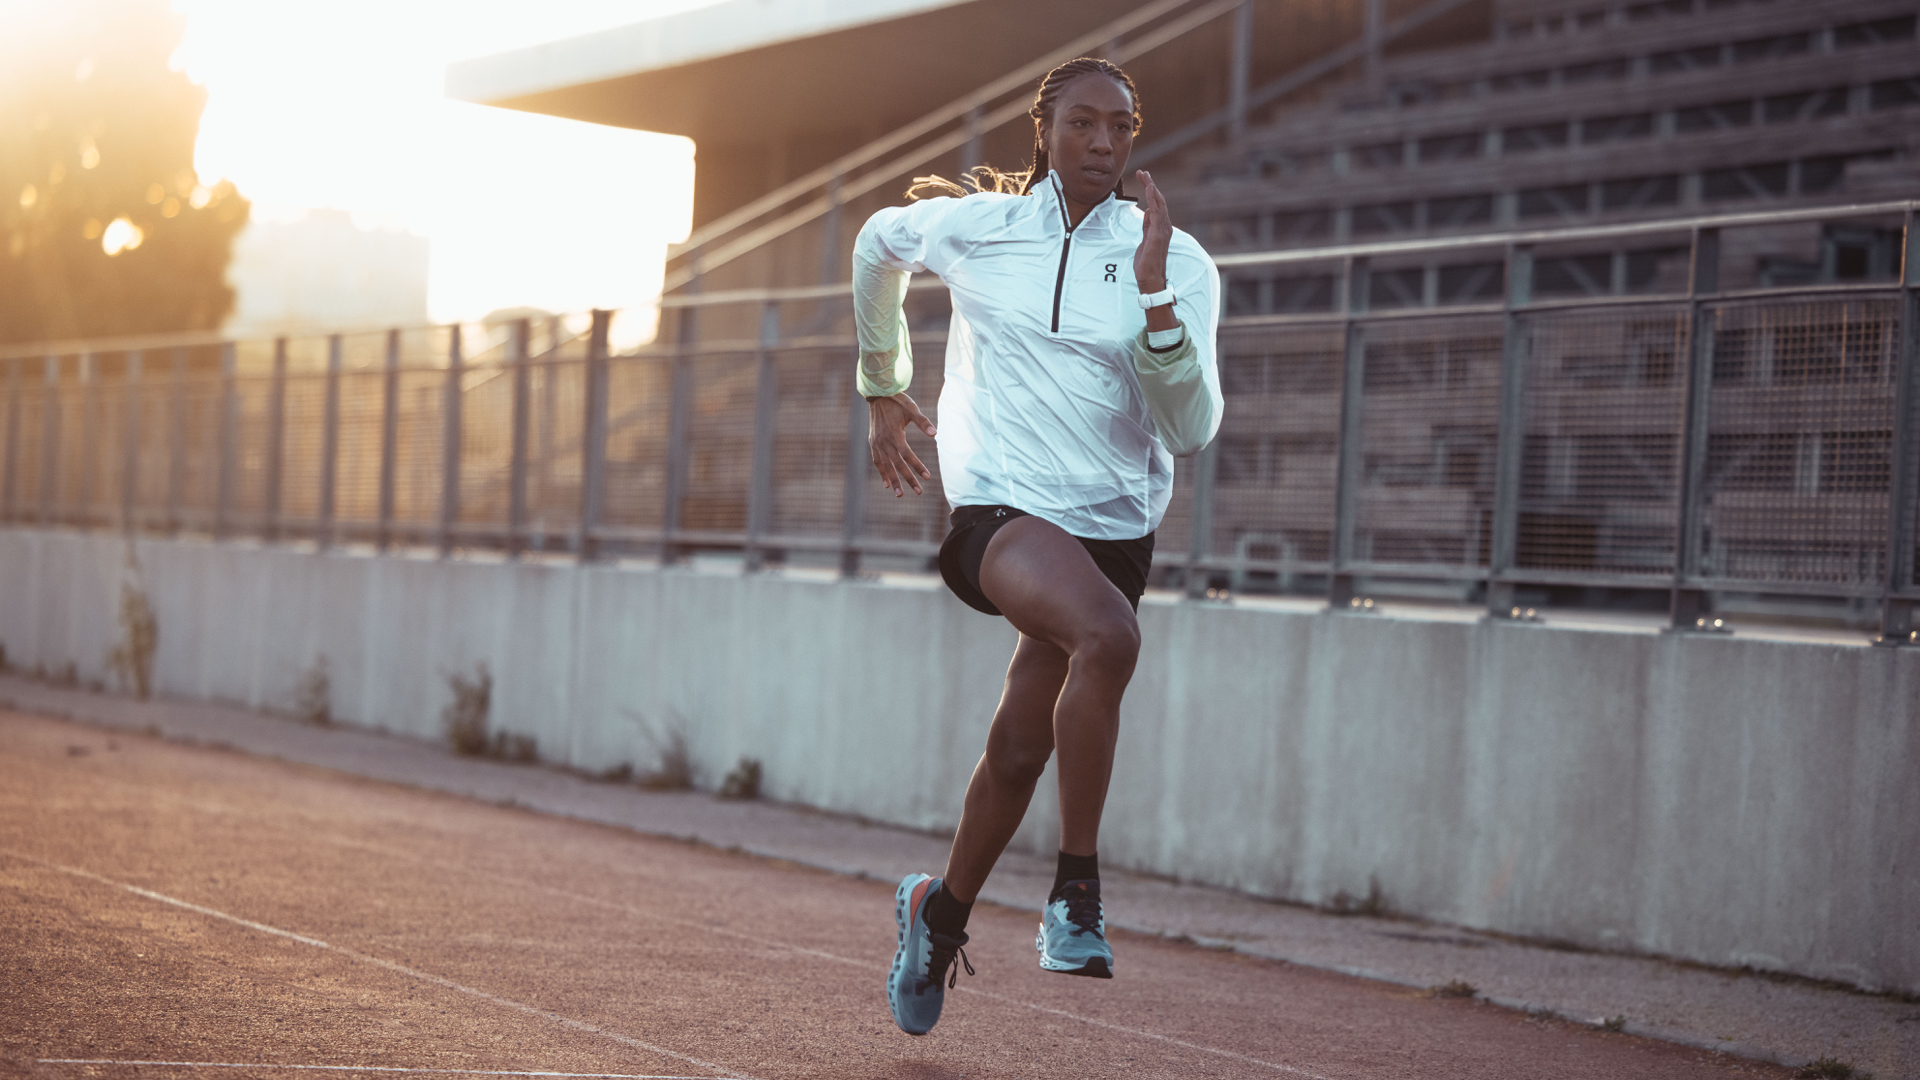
160 903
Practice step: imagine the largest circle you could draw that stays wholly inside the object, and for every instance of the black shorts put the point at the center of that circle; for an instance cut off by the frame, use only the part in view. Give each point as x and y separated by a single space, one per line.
1125 562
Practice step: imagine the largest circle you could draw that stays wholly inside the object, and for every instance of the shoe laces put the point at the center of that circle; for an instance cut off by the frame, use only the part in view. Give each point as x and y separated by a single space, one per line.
1083 909
940 959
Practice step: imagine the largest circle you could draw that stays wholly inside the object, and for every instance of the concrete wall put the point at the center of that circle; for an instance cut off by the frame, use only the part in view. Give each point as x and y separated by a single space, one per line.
1724 800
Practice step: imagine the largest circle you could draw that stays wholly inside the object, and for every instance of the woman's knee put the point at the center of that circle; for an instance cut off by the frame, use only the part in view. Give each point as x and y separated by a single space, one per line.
1016 764
1111 642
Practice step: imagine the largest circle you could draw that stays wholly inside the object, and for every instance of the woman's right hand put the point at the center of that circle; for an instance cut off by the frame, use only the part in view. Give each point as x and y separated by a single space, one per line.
887 420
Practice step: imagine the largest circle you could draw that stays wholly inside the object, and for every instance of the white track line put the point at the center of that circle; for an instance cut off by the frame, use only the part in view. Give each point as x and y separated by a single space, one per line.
416 973
868 965
355 1068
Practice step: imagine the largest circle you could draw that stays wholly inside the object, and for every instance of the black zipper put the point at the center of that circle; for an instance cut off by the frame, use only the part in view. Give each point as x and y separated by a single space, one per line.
1060 279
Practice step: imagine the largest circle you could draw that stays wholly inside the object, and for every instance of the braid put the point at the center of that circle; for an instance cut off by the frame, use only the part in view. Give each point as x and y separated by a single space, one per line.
988 178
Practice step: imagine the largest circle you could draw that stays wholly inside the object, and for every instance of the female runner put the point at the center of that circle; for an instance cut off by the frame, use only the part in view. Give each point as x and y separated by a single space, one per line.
1080 361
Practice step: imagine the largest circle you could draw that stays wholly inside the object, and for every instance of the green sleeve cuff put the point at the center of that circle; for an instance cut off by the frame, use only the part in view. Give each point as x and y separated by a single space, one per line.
1176 391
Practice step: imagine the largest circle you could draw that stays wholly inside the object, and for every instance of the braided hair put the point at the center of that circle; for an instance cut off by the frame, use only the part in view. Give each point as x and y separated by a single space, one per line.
988 178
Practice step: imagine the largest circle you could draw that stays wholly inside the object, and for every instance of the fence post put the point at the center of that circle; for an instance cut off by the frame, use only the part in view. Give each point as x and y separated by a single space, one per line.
1205 469
1351 295
1239 69
389 440
329 443
1897 610
450 444
766 397
49 440
130 434
679 413
223 497
177 442
13 439
1503 551
81 513
593 452
276 440
1689 601
518 348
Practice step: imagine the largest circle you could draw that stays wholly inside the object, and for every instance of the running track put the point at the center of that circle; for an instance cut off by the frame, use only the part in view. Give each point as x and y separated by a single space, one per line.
233 917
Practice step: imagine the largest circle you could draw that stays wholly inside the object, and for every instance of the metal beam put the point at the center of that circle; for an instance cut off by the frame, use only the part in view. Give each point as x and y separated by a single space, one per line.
450 443
1354 286
1897 621
329 443
389 439
13 440
1503 551
593 449
228 449
766 398
1689 603
276 438
519 356
130 394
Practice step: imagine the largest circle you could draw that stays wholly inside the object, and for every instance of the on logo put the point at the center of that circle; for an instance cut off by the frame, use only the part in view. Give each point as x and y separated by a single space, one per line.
1112 268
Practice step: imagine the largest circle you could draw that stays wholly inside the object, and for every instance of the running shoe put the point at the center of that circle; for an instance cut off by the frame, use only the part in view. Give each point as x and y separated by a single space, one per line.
1073 933
923 964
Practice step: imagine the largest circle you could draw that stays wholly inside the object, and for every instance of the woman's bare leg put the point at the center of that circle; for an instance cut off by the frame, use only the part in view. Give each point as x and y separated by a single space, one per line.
1018 746
1079 640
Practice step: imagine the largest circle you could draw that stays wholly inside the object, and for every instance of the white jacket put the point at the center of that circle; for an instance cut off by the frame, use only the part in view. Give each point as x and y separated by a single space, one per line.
1053 403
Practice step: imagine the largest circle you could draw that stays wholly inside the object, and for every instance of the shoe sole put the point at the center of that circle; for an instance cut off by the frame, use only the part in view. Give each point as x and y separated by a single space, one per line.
903 919
1096 967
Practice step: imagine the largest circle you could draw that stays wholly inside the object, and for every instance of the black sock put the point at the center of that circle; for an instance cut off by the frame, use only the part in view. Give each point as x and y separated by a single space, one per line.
945 915
1074 868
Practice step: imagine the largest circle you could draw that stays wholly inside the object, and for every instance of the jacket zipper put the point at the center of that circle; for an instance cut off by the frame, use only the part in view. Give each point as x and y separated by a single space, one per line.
1066 246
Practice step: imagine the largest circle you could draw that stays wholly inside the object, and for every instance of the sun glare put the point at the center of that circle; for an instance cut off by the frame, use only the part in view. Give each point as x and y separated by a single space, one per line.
121 235
340 106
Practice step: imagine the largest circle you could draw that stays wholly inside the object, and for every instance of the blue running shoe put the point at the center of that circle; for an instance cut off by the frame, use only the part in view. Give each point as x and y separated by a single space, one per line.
1073 933
923 965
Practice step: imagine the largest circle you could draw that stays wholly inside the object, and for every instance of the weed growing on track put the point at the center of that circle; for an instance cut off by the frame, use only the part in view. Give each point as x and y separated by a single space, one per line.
1374 903
743 782
313 697
466 720
1828 1068
675 769
1614 1023
1458 988
132 659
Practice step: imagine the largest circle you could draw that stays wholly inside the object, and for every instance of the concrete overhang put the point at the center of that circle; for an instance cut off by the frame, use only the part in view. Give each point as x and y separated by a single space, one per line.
755 72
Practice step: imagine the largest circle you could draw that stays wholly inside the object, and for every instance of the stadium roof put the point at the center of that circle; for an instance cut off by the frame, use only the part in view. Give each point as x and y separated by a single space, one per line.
746 71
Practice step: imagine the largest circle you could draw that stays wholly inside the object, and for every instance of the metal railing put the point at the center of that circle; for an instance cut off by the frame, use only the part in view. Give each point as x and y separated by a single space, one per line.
1485 413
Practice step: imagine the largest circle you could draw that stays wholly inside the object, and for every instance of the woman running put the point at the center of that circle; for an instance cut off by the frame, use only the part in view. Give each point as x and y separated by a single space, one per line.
1080 362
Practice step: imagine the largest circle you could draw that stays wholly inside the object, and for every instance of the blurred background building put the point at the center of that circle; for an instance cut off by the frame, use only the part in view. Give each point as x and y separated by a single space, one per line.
322 270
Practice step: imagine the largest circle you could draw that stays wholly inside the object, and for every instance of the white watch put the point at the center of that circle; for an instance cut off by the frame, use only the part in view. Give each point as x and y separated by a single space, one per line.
1154 300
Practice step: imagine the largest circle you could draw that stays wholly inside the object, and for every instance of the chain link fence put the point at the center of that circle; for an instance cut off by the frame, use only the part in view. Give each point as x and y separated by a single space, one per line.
1408 429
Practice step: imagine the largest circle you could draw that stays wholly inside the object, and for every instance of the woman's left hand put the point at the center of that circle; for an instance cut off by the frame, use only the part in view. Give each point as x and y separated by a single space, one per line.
1150 259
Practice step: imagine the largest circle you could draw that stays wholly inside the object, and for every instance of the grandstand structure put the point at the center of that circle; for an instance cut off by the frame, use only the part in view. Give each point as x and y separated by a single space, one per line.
1527 301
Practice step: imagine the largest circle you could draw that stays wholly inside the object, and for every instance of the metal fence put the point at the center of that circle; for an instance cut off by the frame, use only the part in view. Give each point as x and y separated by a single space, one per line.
1482 414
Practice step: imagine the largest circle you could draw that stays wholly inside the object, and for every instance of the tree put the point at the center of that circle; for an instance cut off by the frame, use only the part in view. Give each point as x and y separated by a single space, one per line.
105 228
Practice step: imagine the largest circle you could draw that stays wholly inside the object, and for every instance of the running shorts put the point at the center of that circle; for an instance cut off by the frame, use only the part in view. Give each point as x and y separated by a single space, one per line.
1124 562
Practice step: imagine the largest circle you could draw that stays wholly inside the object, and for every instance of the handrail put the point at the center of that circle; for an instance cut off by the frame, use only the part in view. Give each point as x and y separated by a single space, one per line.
1550 236
1234 261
